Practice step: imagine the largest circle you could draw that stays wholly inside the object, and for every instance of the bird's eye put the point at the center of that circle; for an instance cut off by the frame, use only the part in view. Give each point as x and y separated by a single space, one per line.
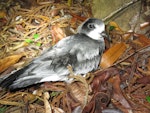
91 26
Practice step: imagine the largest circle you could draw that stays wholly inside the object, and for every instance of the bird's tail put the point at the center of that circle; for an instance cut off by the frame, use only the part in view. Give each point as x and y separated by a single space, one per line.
6 81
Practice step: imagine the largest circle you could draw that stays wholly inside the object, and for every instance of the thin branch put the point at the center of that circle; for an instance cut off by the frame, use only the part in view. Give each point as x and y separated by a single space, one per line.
139 50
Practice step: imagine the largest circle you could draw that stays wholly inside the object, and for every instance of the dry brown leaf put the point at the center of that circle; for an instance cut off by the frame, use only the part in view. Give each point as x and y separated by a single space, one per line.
57 33
143 39
101 91
118 95
78 91
82 80
144 80
9 61
112 54
99 101
137 42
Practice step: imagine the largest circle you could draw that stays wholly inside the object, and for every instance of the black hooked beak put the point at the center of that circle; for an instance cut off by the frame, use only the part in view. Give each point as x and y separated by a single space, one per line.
105 35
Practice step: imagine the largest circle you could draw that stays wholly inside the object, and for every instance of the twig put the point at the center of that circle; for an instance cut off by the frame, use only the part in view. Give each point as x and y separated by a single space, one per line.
139 50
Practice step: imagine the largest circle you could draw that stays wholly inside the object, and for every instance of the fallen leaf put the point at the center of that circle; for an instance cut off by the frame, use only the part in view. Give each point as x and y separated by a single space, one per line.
118 95
101 92
9 61
57 34
144 80
143 39
99 101
101 77
79 92
112 54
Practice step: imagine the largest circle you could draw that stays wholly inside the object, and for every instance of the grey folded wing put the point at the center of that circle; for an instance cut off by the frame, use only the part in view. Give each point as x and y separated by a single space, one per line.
79 51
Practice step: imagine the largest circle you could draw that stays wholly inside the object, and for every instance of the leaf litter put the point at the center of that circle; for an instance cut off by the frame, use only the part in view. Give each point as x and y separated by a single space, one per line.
121 85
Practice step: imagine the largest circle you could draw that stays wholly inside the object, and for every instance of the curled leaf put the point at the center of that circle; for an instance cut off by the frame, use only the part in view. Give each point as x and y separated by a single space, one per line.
101 78
118 95
97 103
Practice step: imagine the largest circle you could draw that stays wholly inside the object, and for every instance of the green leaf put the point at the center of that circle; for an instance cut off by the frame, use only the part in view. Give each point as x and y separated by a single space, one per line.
148 98
54 93
38 44
3 109
111 28
35 36
28 40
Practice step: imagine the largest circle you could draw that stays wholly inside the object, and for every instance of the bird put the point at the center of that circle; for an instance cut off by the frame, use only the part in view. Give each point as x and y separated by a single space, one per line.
82 51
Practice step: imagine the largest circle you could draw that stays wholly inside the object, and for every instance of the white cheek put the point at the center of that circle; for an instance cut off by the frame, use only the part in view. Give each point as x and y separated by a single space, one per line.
95 34
101 28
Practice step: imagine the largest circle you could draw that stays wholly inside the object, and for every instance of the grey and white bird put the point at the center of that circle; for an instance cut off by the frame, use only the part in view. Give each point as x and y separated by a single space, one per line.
82 51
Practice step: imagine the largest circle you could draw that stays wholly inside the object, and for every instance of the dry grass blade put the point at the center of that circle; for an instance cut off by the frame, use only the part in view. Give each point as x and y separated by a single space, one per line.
5 102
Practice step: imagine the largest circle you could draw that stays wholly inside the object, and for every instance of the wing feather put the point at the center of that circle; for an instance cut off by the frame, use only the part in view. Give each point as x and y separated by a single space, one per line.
80 52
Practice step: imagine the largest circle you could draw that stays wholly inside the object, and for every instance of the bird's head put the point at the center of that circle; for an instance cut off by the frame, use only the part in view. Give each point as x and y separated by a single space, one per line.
94 28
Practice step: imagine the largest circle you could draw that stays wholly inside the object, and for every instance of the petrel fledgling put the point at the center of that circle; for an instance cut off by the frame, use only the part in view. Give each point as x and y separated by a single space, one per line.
82 51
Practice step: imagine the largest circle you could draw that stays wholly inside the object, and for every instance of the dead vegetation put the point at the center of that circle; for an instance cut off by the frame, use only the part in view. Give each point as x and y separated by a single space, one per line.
122 83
